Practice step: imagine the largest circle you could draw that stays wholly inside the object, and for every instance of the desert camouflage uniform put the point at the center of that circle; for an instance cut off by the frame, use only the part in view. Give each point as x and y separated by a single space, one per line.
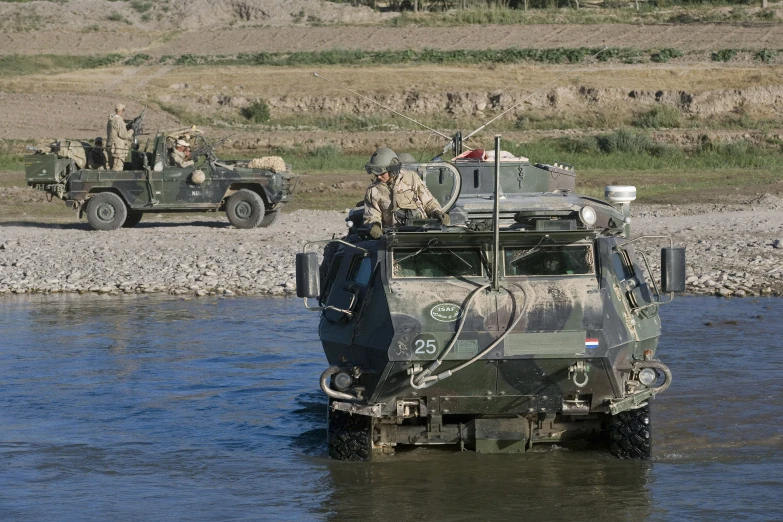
410 193
117 141
177 158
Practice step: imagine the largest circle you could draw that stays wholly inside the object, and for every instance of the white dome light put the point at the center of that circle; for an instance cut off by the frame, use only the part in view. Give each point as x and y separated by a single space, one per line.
620 193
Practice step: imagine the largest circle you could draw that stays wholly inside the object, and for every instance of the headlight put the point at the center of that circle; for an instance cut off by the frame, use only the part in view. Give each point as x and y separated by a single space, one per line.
647 376
587 215
342 381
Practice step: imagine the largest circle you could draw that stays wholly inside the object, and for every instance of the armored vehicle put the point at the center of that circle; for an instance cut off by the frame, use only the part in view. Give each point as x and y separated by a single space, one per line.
151 182
532 318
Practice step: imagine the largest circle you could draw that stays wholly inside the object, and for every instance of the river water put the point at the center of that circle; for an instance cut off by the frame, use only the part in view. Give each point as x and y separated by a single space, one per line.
145 408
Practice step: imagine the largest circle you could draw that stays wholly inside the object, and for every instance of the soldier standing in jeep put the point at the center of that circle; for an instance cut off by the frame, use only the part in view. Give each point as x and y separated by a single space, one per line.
118 138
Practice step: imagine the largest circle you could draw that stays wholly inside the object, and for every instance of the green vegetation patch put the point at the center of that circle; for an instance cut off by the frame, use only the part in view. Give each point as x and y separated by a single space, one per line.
138 59
664 55
257 112
625 149
412 56
514 12
658 117
18 64
765 55
724 55
141 7
32 64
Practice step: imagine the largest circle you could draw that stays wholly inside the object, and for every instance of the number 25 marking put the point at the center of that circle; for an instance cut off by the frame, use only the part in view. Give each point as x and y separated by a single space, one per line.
427 347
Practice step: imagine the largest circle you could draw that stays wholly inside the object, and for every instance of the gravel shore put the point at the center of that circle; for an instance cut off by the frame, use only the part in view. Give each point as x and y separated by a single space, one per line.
736 251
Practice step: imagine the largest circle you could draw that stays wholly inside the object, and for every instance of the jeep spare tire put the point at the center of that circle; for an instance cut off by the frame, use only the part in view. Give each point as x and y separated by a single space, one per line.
106 211
245 209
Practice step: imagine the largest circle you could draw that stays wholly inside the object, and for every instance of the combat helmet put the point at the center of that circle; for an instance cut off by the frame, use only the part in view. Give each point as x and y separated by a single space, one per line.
404 157
383 160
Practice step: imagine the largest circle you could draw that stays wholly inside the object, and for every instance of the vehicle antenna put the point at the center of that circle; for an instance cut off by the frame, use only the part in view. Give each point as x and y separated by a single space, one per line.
525 99
382 105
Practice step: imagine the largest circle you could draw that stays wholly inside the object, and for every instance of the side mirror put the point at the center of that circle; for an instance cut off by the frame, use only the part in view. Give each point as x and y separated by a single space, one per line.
673 269
307 275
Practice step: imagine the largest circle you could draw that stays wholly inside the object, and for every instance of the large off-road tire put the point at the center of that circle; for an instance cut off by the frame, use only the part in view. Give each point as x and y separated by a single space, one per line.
269 218
106 211
630 434
245 209
133 219
349 436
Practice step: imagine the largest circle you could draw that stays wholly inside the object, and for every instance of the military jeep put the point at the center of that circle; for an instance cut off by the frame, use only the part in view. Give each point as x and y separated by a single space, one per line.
149 182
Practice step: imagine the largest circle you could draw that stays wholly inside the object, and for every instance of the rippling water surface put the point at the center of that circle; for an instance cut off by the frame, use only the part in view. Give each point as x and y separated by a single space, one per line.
161 409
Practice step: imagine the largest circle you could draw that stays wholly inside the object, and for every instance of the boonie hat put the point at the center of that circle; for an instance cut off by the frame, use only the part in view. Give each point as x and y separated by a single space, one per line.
182 143
119 107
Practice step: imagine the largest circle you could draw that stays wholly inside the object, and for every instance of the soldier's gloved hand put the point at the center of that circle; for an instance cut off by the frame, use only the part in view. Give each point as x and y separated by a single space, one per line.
443 218
375 231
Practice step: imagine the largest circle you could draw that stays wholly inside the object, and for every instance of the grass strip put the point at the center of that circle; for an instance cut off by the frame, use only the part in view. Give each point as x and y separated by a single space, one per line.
11 65
608 13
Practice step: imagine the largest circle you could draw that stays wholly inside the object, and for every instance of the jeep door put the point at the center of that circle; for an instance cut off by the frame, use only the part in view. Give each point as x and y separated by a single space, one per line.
180 189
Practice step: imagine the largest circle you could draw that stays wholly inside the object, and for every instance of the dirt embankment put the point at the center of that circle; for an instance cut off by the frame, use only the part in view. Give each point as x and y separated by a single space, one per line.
44 116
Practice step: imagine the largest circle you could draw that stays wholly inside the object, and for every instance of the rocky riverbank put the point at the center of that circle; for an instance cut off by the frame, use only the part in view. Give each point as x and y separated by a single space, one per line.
734 251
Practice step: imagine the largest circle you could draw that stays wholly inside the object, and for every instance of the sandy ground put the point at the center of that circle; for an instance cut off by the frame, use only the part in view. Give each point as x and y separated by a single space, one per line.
729 252
707 37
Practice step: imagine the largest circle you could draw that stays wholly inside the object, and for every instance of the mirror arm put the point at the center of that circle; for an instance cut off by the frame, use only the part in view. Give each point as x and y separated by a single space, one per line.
325 241
324 308
659 300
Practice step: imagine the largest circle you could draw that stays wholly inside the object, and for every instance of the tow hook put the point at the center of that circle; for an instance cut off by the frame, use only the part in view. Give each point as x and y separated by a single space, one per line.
574 371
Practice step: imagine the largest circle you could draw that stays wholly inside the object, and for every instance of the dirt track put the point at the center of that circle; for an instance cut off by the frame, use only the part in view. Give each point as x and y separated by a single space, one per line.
708 37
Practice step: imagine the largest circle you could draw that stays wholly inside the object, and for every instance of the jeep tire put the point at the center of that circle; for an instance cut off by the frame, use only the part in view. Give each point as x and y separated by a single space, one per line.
133 219
630 434
106 211
245 209
349 436
269 218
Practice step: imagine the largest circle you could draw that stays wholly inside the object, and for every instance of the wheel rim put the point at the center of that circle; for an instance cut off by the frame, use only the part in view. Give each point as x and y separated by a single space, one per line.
105 212
243 210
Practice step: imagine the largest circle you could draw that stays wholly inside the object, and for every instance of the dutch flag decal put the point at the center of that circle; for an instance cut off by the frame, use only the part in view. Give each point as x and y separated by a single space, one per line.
591 343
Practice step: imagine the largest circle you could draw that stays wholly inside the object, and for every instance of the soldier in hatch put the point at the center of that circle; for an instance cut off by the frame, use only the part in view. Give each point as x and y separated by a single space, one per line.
118 138
97 158
180 156
396 191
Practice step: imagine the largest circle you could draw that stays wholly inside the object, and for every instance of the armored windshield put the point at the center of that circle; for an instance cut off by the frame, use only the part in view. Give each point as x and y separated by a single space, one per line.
549 260
440 262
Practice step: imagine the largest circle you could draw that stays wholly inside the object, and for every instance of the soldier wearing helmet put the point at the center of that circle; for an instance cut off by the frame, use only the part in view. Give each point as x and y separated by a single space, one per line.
179 156
406 158
396 189
97 158
118 138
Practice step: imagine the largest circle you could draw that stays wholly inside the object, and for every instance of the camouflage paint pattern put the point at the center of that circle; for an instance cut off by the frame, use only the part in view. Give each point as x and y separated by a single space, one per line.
556 372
